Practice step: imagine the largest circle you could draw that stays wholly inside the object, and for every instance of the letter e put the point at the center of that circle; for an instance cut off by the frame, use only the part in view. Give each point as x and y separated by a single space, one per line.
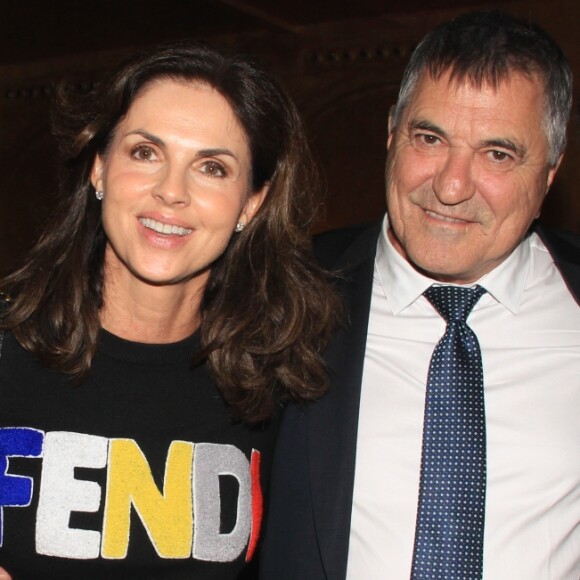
61 493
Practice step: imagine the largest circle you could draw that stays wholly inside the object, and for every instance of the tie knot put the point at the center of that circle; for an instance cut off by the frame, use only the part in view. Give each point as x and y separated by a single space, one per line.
454 302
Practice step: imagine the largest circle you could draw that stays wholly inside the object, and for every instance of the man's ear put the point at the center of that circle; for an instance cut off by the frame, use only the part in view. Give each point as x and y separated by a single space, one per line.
552 172
550 179
391 126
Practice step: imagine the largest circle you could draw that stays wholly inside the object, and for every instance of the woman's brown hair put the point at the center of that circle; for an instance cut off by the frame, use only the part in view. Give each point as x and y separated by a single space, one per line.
268 310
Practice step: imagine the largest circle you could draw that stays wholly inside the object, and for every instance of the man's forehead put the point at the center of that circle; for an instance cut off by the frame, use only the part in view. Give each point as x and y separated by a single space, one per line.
510 116
456 78
512 97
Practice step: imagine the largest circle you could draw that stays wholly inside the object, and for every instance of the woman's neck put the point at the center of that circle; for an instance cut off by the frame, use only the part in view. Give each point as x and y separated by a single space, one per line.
143 312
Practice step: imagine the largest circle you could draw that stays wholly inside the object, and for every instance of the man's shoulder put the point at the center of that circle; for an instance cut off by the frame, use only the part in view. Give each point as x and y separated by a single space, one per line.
564 248
563 245
340 248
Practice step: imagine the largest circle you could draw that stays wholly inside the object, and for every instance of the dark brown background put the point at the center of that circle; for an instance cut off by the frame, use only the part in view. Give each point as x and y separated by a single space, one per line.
341 61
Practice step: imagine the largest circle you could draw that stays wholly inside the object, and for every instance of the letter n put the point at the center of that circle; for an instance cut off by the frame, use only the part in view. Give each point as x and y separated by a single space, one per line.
166 516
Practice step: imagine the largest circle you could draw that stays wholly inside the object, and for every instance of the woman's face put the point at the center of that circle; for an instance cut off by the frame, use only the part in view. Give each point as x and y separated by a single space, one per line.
176 181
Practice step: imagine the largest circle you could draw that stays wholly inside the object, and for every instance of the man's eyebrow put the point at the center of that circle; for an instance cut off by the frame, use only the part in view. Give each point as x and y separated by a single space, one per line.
508 144
424 125
500 142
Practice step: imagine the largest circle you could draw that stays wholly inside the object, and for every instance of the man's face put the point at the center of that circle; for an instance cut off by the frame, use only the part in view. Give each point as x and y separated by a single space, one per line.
467 173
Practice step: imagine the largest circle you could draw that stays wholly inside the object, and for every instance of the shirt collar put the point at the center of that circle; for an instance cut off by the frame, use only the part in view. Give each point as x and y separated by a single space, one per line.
402 284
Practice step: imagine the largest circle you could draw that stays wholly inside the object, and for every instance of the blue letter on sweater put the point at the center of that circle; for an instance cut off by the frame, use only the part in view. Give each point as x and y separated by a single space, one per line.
16 490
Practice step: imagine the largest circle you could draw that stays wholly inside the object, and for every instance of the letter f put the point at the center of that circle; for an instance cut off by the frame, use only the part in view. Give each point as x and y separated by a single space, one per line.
16 490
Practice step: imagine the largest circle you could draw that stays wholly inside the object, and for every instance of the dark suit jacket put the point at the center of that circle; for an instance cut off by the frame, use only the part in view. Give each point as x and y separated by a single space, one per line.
308 524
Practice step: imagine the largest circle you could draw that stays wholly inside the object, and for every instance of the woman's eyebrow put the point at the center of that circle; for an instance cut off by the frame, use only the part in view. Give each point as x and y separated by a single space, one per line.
147 135
210 152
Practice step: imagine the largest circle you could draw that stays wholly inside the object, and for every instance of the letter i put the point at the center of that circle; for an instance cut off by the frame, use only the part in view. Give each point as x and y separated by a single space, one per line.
257 503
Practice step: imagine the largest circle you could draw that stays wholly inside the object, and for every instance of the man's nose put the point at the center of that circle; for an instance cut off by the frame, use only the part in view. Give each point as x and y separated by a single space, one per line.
453 182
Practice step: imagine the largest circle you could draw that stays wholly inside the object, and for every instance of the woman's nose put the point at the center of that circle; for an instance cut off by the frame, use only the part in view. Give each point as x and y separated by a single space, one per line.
172 188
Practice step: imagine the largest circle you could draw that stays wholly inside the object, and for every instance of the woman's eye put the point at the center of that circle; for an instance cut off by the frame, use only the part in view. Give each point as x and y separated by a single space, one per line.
143 153
213 169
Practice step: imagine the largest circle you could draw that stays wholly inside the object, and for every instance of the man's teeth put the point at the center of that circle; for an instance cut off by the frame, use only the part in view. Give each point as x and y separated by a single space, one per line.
164 228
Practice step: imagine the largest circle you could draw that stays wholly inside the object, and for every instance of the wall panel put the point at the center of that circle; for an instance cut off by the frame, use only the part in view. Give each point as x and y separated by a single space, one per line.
344 77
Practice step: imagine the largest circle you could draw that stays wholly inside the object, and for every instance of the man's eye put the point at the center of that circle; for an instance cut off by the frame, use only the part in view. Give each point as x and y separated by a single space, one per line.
427 139
213 169
143 153
499 156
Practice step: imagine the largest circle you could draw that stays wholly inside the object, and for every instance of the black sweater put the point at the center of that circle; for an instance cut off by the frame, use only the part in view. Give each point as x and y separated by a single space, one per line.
137 473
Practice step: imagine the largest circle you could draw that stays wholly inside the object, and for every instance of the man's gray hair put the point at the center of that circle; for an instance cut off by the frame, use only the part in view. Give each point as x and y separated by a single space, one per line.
487 47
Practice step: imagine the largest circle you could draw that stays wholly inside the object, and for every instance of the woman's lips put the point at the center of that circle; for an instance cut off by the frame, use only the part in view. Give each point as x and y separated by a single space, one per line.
163 228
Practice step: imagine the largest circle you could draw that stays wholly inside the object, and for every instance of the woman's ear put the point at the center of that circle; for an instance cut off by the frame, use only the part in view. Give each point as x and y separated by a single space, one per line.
97 173
253 204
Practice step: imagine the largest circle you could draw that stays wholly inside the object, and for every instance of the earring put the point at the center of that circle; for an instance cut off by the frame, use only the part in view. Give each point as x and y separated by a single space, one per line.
239 227
99 195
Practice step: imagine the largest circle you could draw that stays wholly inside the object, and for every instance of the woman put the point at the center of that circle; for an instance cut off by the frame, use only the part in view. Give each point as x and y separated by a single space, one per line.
170 305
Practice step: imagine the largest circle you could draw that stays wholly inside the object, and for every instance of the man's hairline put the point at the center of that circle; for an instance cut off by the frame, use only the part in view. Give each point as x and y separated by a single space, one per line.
397 110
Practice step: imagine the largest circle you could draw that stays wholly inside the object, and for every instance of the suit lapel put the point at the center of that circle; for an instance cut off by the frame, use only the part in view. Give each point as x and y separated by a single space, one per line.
333 424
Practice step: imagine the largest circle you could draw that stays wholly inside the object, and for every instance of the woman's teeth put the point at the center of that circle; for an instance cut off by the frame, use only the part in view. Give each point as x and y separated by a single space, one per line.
161 228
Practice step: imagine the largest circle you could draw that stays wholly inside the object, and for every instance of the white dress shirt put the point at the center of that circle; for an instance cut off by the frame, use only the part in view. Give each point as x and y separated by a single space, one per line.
528 326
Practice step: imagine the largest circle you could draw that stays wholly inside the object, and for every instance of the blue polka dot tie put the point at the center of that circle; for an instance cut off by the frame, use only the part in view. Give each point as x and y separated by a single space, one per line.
450 517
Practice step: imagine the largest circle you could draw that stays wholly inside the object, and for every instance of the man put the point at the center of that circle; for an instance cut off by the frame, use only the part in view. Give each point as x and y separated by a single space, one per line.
474 143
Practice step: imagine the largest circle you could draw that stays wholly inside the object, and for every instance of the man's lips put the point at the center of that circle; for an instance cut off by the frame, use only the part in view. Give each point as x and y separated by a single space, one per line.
446 218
